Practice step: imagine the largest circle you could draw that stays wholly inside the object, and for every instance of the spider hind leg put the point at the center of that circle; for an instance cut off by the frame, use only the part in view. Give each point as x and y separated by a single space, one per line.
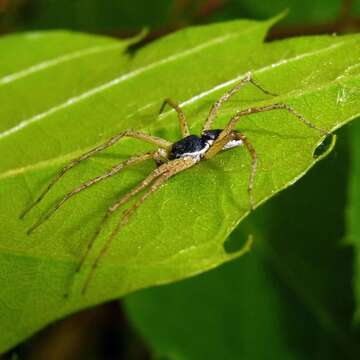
162 143
113 171
154 180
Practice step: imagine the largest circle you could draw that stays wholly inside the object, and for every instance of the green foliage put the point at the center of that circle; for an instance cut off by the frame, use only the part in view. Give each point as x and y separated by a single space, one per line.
63 93
128 15
300 11
290 297
92 15
354 209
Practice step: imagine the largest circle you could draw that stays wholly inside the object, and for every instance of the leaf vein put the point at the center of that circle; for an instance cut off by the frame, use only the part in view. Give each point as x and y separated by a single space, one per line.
56 61
20 170
105 86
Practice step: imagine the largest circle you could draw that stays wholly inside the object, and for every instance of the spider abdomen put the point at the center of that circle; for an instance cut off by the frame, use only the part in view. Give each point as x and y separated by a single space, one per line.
195 146
191 145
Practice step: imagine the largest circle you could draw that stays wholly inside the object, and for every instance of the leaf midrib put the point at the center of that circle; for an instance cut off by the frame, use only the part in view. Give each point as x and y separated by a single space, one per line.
300 92
44 65
124 77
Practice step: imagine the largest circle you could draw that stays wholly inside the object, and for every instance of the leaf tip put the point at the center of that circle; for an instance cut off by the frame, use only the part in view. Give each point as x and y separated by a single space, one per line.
277 18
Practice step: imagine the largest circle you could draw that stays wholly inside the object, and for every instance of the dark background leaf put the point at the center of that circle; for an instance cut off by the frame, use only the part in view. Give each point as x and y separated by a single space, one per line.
319 17
353 211
275 300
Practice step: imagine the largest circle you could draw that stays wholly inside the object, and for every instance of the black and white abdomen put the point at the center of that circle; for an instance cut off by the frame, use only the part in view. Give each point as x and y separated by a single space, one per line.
211 135
196 147
190 146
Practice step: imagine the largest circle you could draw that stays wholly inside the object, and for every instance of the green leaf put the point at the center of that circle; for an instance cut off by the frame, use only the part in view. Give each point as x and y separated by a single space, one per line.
353 235
291 295
59 105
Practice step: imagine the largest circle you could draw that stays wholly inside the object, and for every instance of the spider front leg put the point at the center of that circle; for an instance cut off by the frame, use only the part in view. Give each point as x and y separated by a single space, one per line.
157 178
215 108
253 110
228 134
225 133
184 127
129 133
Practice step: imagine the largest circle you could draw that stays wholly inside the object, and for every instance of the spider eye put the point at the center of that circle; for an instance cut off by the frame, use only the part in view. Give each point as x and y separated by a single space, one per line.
211 134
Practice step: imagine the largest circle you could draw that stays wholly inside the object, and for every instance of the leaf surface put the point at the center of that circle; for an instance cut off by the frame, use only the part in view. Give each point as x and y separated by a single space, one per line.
63 108
291 295
353 234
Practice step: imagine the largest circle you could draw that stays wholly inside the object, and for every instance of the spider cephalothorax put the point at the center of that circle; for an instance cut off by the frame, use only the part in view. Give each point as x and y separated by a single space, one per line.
170 158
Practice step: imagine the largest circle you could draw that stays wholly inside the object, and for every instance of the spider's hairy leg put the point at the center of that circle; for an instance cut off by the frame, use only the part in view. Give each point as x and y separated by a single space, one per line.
129 133
143 184
168 170
277 106
184 127
217 105
236 135
114 170
228 134
252 152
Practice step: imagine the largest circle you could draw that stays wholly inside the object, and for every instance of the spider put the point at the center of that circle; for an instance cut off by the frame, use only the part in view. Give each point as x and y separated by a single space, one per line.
170 158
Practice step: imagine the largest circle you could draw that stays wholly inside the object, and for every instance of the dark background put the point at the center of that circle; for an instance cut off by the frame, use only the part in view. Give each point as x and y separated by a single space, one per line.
105 332
122 18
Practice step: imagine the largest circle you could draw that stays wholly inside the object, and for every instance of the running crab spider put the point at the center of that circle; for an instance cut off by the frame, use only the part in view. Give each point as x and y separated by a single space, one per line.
171 159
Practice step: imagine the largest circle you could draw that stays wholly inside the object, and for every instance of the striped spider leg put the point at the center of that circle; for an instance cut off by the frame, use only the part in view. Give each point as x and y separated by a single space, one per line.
171 158
153 182
160 157
228 134
185 153
129 133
